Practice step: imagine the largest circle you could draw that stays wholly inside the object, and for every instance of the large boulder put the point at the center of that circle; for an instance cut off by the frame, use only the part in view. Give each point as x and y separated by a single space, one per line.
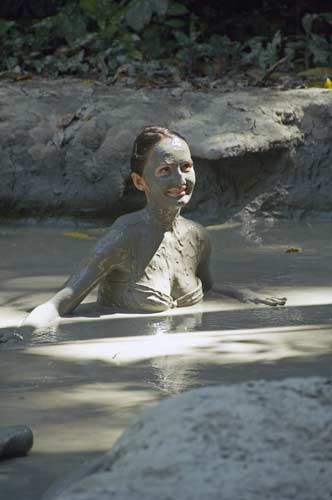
250 441
65 148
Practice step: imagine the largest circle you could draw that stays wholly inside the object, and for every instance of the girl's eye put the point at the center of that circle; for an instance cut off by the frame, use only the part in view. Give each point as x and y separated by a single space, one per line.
186 167
161 171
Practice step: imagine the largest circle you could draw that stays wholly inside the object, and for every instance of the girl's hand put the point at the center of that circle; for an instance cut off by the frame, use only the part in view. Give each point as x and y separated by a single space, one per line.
43 317
246 295
256 298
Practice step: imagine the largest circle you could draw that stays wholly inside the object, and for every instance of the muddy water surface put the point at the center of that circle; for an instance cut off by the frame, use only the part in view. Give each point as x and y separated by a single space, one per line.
78 387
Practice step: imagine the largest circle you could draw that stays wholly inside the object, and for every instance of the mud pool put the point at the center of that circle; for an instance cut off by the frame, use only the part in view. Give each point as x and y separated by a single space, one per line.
78 387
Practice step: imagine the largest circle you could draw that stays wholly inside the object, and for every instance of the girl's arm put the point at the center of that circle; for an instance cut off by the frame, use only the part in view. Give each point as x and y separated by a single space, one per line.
243 295
247 295
108 253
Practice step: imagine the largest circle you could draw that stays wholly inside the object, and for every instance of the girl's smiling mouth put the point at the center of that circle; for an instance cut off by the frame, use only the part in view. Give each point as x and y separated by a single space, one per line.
177 191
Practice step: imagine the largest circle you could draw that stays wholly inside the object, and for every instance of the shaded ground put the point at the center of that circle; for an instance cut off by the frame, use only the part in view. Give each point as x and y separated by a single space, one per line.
79 388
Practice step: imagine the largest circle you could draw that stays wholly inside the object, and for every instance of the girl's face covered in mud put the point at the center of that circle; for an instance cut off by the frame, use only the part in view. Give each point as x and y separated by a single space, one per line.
169 175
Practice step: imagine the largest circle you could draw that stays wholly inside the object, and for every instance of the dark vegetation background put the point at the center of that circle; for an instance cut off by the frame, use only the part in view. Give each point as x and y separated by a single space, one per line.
164 41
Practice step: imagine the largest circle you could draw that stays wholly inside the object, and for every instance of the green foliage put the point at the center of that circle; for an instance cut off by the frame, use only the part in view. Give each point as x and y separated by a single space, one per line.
139 12
5 27
70 24
262 52
105 16
97 37
177 9
317 49
193 53
11 44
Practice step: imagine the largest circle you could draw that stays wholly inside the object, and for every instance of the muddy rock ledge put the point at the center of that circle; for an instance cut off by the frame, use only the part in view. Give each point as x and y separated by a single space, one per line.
65 148
248 441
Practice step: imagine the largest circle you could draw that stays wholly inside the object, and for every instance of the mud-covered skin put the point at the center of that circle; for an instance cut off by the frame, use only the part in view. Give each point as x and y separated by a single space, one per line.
169 167
159 267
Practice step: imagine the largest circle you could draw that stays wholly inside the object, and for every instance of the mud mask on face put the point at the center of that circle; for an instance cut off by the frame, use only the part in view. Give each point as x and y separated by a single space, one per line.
169 173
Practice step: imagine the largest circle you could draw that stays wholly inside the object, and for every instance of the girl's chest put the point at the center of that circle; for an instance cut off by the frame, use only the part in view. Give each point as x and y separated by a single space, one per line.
173 261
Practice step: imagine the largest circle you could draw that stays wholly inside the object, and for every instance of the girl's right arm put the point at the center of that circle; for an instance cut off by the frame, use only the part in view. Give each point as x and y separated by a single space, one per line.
109 252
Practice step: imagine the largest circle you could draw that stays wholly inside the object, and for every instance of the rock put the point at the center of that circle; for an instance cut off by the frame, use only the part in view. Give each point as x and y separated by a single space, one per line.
10 335
74 139
5 337
246 441
15 441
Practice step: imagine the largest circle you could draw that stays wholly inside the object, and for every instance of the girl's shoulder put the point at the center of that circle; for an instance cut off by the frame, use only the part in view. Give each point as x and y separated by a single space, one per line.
119 233
196 229
130 222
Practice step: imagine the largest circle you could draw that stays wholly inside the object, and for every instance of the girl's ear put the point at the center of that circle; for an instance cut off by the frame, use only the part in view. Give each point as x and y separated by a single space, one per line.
139 182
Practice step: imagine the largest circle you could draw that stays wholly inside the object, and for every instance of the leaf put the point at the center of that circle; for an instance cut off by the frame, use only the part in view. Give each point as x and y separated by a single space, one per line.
22 77
38 65
293 250
317 84
307 22
11 62
137 55
84 41
45 24
177 9
319 72
175 23
182 38
276 41
327 16
89 6
328 84
139 14
320 49
5 26
79 236
70 24
159 7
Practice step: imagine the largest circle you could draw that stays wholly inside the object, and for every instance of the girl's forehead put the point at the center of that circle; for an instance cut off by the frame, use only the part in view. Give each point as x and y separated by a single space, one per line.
172 147
177 142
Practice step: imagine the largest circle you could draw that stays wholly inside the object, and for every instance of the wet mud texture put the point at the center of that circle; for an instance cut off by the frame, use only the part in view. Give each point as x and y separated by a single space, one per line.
253 441
65 149
79 387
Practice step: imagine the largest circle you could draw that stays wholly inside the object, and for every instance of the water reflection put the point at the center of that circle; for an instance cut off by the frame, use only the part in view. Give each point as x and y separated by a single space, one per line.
118 326
113 327
172 375
174 363
175 324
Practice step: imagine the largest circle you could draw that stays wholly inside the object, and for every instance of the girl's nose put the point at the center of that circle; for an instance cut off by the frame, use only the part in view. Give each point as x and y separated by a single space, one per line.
179 177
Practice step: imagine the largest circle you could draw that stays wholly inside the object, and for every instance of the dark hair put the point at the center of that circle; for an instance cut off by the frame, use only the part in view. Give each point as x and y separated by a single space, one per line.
146 139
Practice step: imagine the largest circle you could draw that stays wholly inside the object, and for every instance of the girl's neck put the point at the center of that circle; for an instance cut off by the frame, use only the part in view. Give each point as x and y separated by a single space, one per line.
163 217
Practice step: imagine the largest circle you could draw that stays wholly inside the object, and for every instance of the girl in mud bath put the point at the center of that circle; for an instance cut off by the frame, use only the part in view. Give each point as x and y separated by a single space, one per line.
153 259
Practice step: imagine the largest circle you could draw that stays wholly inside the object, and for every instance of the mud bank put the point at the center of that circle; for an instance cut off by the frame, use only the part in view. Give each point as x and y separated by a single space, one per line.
255 440
65 149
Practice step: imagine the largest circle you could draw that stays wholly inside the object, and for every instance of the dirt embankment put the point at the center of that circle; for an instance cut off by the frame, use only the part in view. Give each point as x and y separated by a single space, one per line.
65 148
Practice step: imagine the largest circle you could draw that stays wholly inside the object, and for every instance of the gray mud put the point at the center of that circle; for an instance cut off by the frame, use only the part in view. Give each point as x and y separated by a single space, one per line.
79 387
65 149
